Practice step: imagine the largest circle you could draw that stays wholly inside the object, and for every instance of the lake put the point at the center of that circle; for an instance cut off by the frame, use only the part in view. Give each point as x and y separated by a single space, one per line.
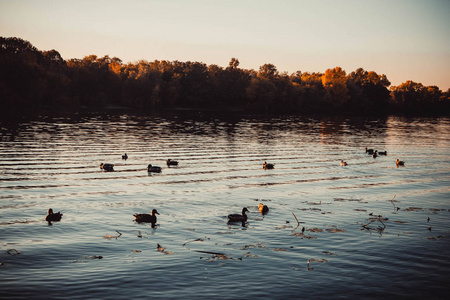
371 229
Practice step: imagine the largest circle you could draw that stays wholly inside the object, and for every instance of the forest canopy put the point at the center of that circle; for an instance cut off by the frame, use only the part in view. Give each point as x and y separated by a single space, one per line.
32 80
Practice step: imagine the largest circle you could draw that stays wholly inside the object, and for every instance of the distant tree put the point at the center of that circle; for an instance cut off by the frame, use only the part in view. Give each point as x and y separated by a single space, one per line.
413 97
33 80
261 94
234 63
335 84
53 56
268 71
368 91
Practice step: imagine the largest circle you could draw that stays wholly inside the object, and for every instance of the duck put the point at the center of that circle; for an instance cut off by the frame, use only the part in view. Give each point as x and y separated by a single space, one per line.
382 153
238 217
267 166
172 162
400 162
154 169
375 154
369 151
51 216
146 218
107 167
263 209
125 156
343 163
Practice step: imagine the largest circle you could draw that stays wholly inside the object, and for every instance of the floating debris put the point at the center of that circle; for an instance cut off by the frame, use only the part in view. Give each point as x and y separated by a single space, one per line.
374 219
248 254
12 252
308 266
259 245
279 249
315 229
329 253
216 256
360 209
197 240
108 237
319 260
135 251
159 248
344 199
413 209
334 230
92 257
298 223
392 201
401 222
305 236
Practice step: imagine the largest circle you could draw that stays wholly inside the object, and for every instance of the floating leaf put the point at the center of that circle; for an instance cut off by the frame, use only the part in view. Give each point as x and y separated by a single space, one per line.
334 230
413 209
248 254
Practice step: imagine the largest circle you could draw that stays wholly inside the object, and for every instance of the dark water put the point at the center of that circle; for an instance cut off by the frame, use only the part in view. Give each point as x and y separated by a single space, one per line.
55 163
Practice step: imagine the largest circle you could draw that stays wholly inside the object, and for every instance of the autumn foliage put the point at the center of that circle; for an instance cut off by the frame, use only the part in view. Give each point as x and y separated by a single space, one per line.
32 80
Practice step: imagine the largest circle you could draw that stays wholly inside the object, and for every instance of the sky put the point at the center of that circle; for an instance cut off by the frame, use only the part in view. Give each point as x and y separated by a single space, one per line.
404 39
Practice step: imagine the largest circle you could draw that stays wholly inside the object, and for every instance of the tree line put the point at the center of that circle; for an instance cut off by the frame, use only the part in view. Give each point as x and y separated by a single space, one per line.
32 80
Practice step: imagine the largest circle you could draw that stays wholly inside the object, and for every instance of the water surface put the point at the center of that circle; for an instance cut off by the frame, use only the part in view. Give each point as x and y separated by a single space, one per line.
358 242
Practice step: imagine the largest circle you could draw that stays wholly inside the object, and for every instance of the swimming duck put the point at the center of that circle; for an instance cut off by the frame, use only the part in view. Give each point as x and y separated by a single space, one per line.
263 209
369 151
125 156
238 217
343 163
172 162
154 169
107 167
267 166
375 154
382 153
53 216
400 162
146 218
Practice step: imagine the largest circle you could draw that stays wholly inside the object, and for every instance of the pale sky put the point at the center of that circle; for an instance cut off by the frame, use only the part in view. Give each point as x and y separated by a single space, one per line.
404 39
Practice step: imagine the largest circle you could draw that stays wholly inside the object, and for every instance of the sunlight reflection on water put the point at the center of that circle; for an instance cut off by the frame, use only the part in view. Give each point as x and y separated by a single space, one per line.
55 163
